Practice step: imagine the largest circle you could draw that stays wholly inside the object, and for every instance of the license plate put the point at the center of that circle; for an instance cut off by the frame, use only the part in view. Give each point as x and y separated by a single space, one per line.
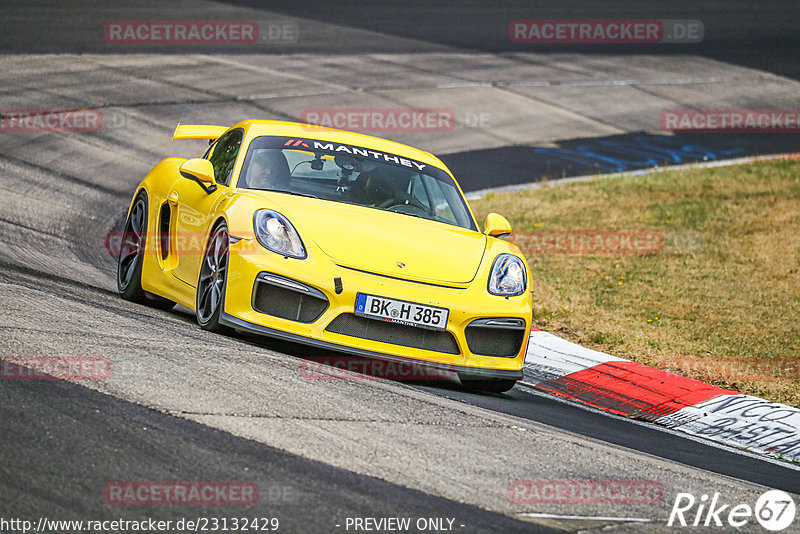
401 312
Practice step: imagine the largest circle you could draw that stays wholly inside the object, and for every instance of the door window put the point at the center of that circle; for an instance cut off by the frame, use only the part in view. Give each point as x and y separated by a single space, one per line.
223 156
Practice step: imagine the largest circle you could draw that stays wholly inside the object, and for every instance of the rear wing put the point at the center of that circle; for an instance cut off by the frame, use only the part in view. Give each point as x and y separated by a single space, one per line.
198 131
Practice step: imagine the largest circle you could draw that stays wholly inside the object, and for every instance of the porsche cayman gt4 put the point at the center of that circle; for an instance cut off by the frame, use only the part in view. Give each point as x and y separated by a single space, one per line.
333 239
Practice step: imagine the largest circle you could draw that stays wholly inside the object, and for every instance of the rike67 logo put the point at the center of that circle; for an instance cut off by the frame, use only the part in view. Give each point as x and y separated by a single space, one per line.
774 510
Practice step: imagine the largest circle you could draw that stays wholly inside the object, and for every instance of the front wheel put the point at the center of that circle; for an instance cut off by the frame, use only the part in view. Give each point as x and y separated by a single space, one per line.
486 385
211 284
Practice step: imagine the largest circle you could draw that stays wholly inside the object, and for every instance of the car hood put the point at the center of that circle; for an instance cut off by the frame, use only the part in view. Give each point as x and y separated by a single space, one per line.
384 242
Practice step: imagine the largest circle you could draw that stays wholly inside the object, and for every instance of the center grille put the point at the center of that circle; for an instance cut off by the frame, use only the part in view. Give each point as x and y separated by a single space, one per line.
352 325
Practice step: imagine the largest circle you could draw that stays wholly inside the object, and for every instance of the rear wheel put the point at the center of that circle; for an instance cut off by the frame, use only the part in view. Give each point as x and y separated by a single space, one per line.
131 258
486 385
211 284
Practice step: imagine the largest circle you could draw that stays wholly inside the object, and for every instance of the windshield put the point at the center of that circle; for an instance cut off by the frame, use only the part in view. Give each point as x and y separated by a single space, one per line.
354 175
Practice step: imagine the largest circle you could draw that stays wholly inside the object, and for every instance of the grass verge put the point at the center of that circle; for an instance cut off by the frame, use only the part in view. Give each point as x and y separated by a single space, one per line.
717 300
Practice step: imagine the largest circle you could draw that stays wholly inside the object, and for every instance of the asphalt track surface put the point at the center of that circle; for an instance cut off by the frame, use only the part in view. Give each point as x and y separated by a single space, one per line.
744 33
183 404
94 438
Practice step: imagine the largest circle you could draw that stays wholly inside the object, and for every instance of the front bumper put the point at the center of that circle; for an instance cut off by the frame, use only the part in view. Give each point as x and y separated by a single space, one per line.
339 286
244 326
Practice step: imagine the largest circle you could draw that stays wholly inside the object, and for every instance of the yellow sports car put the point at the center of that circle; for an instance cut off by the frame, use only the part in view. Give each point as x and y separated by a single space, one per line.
334 239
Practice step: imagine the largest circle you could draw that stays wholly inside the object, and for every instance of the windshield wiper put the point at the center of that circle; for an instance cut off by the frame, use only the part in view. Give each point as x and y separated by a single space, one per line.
411 215
292 193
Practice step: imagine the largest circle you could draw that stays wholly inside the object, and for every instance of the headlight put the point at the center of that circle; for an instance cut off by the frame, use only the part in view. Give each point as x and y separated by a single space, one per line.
508 276
276 233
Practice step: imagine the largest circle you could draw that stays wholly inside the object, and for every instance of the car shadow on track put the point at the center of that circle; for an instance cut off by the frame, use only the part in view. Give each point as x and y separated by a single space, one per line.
324 364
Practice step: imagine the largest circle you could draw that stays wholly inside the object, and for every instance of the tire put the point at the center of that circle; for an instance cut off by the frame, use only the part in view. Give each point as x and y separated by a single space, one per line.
212 281
486 385
131 258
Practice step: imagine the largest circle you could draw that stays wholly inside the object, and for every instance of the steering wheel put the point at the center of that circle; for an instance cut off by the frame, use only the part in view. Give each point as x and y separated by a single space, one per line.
405 200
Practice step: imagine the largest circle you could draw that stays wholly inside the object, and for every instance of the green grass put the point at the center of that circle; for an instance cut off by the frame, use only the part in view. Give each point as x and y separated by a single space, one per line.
725 287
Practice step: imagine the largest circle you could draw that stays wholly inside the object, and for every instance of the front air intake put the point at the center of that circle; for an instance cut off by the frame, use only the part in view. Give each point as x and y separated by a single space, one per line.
288 299
501 337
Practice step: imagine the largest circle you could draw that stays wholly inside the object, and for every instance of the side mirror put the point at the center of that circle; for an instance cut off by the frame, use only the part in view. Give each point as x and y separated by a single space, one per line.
496 225
201 171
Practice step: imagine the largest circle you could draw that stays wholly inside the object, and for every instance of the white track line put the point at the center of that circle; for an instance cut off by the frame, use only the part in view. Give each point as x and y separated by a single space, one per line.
598 83
584 517
475 195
